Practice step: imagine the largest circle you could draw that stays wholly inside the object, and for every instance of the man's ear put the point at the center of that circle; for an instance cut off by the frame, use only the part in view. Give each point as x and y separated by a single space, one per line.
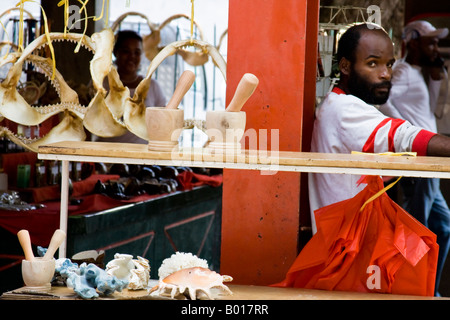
345 66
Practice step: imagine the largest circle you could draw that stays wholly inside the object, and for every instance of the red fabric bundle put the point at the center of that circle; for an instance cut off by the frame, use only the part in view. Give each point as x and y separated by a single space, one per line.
42 223
377 247
188 180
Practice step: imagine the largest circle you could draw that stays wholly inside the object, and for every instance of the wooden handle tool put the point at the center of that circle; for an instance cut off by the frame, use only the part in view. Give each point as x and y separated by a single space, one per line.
244 90
57 238
183 85
25 242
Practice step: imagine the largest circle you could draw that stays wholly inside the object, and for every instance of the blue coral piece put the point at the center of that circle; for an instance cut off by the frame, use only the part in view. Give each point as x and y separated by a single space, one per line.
88 281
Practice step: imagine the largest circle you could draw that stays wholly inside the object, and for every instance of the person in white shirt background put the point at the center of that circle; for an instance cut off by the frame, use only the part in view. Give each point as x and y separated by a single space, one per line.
347 119
416 82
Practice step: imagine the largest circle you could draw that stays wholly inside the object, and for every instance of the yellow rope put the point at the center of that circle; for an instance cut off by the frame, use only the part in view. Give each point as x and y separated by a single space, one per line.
379 193
83 8
7 37
47 33
107 14
101 14
20 44
65 3
192 20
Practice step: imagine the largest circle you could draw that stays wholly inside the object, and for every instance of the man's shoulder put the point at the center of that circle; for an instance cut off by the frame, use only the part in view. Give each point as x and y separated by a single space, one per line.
333 98
338 105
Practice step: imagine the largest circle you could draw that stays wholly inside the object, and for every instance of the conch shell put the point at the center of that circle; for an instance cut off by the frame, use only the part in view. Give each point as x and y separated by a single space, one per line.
192 280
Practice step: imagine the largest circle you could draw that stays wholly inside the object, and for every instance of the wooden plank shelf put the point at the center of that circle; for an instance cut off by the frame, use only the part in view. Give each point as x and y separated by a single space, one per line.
392 165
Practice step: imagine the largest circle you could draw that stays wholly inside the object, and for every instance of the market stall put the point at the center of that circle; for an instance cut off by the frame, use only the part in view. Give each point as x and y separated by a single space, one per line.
250 229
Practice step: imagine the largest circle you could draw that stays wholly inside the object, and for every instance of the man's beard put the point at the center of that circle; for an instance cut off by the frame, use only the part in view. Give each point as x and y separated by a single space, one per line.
366 91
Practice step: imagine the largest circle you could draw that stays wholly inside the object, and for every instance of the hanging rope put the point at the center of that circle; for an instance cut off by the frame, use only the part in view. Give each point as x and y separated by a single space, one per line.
65 3
192 21
20 45
101 14
7 37
84 9
379 193
47 33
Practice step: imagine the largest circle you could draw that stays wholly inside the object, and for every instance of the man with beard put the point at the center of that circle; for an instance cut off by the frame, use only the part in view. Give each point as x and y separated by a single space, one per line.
416 81
347 119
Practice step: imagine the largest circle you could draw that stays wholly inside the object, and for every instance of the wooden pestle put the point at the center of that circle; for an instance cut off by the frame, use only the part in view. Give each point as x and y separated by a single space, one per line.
183 85
25 242
244 90
57 238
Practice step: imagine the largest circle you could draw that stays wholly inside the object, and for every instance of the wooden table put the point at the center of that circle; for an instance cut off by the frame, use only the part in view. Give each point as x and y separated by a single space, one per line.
240 292
268 162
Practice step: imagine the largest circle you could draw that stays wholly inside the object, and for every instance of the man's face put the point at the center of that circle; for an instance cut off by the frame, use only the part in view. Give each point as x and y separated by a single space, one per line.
370 74
428 48
128 56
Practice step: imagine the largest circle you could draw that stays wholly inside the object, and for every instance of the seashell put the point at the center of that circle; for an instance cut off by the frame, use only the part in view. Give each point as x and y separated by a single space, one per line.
140 276
192 280
135 272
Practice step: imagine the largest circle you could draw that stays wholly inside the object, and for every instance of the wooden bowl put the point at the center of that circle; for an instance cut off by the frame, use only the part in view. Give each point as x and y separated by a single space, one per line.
164 127
225 130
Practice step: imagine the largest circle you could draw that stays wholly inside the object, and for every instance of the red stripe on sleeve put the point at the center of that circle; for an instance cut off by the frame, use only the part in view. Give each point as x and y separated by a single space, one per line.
369 146
394 126
420 143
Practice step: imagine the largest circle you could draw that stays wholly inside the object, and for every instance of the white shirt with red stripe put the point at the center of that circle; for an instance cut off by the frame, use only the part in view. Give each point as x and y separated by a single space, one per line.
345 123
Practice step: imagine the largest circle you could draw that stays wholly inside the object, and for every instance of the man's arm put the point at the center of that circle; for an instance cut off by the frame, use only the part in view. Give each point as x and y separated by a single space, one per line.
439 146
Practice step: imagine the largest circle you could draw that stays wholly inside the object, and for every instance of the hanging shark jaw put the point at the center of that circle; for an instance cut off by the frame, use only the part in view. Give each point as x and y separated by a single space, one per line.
16 108
70 128
109 113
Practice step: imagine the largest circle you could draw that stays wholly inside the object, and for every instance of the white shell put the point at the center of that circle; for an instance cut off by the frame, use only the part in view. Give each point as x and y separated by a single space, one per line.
136 272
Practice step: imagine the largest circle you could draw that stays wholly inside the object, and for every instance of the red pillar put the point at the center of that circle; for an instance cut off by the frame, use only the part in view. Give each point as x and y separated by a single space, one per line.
260 224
